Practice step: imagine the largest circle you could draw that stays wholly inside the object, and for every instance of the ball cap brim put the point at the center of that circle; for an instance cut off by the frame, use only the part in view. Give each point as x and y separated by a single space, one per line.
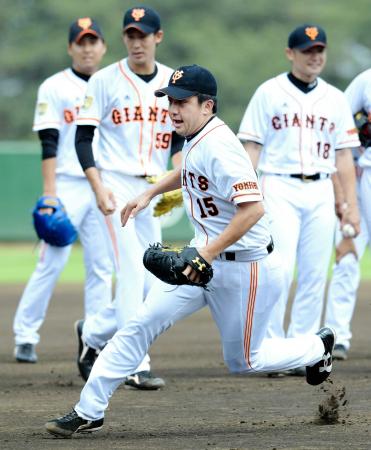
187 81
175 92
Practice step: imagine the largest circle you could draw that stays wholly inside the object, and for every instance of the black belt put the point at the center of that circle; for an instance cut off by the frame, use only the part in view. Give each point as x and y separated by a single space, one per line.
303 177
231 256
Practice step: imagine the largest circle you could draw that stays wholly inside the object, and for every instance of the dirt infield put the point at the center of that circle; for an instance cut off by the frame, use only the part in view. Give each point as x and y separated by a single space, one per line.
202 406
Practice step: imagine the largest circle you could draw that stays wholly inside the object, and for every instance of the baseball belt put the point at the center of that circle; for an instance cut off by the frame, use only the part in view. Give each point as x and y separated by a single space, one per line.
243 255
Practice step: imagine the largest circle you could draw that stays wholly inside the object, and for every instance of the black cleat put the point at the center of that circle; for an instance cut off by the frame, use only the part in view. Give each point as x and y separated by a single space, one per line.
71 423
340 352
144 381
25 353
318 373
86 355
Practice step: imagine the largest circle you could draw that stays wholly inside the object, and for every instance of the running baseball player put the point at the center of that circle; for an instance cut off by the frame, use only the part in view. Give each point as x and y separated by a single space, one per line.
136 139
298 130
59 99
223 200
345 279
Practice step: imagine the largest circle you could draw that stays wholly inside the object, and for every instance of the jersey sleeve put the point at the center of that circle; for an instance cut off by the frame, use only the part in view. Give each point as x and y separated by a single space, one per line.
48 111
92 109
367 99
254 124
234 175
354 94
346 131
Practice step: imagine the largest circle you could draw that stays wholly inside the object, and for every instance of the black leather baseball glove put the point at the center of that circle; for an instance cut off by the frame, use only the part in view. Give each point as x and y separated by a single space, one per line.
364 128
167 264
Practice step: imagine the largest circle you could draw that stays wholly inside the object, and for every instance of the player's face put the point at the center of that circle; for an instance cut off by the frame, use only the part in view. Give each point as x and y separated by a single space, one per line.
87 54
188 116
141 49
308 64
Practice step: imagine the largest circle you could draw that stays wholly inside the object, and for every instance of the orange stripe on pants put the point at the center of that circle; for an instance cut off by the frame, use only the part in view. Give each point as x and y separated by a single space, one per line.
112 234
250 311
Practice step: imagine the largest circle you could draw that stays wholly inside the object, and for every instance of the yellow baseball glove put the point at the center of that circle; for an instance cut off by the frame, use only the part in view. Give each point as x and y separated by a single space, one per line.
168 200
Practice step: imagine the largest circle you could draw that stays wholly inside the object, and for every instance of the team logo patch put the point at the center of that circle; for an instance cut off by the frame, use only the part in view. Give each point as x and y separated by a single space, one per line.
176 76
84 23
42 108
138 13
312 32
87 102
246 186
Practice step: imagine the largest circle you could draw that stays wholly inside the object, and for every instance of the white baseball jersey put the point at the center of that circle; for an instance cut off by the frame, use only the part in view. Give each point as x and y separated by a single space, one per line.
300 131
358 94
58 102
134 125
213 186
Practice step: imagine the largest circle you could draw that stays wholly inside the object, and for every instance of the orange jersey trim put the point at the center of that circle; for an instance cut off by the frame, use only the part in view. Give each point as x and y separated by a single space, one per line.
81 119
300 128
141 107
153 124
245 195
37 124
250 311
345 142
249 134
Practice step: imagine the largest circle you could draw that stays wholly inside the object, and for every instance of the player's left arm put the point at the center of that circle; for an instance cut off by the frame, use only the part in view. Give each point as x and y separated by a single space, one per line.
254 151
347 177
169 183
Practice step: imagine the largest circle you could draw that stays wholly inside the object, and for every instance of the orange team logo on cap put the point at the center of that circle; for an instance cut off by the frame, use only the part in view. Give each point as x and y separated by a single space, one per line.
84 23
177 74
138 13
312 32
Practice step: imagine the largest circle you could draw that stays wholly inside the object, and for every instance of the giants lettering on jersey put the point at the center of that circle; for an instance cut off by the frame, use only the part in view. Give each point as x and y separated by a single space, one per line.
312 122
136 114
200 181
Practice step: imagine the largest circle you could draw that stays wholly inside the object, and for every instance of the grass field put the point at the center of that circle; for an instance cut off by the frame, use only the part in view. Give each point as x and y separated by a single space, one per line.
17 262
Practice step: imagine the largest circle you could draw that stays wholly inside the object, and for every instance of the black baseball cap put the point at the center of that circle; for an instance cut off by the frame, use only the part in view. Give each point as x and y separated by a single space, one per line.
82 27
187 81
142 18
307 36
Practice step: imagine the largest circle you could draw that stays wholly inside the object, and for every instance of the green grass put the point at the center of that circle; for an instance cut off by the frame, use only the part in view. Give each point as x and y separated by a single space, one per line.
17 261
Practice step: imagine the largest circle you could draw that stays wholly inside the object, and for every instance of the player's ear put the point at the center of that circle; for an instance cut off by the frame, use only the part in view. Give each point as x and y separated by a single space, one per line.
289 53
159 36
69 49
104 50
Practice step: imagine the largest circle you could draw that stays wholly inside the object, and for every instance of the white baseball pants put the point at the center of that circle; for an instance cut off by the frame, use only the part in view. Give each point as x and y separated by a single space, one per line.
77 197
127 246
342 292
302 225
240 296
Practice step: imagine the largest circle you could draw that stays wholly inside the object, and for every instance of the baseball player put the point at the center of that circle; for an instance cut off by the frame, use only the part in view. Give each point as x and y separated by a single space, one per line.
136 138
224 203
59 99
298 130
346 273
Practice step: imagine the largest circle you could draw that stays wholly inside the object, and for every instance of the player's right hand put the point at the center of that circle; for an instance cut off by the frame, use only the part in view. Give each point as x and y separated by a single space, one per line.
106 201
132 208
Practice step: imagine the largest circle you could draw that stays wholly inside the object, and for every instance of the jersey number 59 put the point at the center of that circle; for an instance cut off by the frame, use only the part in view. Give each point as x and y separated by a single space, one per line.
163 140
